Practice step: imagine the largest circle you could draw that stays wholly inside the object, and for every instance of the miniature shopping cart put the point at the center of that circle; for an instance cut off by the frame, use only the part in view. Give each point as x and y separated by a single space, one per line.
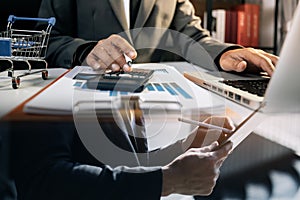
24 49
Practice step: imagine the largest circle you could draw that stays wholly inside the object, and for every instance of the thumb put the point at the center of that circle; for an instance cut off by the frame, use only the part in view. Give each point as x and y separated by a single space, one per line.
210 147
241 66
231 61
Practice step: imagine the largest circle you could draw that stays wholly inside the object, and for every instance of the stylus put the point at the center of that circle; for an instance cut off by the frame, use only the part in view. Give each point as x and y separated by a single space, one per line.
202 124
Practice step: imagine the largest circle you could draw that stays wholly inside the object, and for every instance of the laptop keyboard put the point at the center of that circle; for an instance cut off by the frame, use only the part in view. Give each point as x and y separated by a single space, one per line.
257 87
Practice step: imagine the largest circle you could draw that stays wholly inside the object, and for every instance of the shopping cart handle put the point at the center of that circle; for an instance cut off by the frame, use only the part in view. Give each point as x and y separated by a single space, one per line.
50 20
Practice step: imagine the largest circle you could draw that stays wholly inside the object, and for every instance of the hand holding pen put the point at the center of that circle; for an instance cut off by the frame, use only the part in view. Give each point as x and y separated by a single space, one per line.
113 53
216 128
128 64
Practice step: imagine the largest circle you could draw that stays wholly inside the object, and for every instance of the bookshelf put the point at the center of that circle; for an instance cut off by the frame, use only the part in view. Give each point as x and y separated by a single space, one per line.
208 6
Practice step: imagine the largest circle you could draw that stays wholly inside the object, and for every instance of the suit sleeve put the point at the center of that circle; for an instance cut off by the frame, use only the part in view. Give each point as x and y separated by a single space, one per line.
64 40
45 167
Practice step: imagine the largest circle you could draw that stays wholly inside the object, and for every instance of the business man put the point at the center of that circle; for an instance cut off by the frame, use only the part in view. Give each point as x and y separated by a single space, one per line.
50 162
83 23
97 32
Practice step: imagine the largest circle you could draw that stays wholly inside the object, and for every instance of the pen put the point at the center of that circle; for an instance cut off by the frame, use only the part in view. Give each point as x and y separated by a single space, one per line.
128 60
189 121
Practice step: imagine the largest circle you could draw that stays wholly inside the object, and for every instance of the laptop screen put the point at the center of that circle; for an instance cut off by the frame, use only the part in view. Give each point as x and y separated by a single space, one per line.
283 93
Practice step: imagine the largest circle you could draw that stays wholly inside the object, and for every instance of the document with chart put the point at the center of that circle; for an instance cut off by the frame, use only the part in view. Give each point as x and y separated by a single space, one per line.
166 90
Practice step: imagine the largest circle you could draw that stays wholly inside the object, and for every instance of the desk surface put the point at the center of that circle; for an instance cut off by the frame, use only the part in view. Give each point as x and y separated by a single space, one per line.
281 128
30 85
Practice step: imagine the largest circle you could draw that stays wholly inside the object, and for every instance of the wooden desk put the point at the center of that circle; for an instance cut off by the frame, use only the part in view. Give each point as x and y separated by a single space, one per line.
257 149
279 129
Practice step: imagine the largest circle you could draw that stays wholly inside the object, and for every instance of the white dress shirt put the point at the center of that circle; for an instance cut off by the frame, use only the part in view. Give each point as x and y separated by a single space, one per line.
127 11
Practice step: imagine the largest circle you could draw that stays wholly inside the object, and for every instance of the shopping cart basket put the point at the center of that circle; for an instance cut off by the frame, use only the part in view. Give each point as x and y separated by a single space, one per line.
24 49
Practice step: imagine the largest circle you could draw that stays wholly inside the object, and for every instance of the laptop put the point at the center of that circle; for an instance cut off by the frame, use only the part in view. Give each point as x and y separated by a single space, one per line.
280 93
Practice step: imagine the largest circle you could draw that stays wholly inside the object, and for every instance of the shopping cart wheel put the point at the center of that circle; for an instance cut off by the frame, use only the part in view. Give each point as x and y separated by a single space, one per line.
45 75
15 82
9 74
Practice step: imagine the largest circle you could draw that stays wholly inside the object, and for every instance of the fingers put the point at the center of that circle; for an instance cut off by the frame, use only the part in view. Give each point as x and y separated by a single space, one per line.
215 158
221 121
273 58
241 66
223 151
123 46
260 60
195 172
109 54
205 136
95 62
230 62
251 59
219 153
210 147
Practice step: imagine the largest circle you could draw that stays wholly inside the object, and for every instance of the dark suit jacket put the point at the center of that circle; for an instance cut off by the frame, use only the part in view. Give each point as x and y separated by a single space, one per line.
49 160
51 163
80 22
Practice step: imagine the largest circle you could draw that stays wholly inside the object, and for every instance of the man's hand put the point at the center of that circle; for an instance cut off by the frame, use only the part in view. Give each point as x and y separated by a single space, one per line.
248 59
195 172
204 136
109 54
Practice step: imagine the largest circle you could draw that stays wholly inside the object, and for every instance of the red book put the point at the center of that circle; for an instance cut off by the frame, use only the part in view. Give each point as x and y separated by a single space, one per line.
255 25
241 30
244 24
233 27
228 26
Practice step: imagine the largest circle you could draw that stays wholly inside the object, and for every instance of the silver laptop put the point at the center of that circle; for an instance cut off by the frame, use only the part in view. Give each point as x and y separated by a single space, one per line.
280 93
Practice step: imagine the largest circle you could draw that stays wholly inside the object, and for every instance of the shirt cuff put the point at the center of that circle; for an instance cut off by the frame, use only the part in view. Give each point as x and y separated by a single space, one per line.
140 182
